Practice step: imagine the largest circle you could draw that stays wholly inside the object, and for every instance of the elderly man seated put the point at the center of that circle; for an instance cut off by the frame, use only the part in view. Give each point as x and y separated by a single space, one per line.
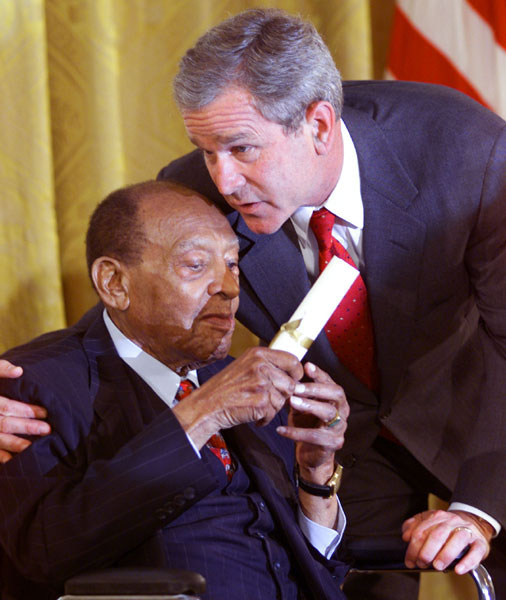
162 450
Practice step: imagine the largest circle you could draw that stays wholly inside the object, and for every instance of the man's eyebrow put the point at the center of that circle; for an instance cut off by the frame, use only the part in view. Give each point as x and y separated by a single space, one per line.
223 139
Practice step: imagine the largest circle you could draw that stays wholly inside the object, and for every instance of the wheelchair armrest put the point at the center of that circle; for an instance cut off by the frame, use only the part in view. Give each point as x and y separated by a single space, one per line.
375 554
136 581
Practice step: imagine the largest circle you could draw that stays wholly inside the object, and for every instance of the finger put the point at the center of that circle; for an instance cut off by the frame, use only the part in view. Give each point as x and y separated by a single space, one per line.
325 438
4 456
14 408
478 552
325 394
285 361
325 411
457 541
416 547
7 369
317 374
11 444
23 426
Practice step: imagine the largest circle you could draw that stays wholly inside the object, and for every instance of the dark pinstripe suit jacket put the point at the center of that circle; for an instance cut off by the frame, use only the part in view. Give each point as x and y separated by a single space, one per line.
96 491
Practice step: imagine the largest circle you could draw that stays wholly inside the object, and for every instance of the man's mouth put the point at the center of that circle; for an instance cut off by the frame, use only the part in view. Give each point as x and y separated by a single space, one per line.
224 321
248 208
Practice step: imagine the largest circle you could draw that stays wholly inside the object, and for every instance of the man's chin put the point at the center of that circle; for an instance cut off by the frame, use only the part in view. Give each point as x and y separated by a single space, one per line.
262 225
220 352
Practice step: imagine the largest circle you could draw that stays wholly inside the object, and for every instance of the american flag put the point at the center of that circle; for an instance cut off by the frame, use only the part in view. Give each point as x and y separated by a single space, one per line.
459 43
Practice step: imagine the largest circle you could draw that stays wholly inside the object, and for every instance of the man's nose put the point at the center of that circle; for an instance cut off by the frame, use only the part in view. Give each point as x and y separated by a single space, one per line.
226 283
226 175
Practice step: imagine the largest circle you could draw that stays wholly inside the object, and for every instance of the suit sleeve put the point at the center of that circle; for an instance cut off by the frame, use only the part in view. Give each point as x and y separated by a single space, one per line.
482 478
64 509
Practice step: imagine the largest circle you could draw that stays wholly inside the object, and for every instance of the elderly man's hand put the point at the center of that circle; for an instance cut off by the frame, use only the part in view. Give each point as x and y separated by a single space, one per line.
251 389
317 422
17 417
437 537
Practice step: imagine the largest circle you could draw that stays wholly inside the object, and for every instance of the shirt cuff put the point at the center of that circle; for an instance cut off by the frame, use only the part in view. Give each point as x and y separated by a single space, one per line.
479 513
193 445
324 539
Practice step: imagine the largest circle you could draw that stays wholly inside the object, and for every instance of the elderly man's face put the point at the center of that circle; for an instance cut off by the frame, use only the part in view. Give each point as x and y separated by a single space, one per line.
262 172
184 292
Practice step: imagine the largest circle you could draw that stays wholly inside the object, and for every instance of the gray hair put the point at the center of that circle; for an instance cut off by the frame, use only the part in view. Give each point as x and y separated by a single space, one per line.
279 58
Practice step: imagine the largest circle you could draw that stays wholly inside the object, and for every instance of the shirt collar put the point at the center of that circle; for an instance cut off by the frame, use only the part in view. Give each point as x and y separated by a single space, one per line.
345 201
162 380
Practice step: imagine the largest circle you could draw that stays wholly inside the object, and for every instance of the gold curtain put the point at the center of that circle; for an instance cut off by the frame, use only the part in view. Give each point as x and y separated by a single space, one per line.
86 107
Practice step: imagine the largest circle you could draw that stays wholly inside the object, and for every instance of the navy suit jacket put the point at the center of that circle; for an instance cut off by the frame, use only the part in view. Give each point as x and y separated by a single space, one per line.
117 468
433 181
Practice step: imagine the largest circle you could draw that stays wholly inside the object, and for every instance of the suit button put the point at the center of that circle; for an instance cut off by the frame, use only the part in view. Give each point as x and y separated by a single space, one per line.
276 566
161 514
260 535
261 505
349 461
170 508
189 493
179 500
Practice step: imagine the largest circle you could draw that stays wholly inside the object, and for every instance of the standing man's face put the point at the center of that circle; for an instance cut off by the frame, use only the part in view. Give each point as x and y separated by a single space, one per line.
262 172
183 294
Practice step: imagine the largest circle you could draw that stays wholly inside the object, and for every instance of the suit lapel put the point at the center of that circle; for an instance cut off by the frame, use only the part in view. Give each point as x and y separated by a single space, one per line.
393 246
122 399
272 266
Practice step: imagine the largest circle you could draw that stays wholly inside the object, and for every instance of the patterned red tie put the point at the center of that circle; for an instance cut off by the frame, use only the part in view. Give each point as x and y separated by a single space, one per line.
216 443
349 329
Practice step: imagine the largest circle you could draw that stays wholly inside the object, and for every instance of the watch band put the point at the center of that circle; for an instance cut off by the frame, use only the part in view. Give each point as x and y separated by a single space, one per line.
323 491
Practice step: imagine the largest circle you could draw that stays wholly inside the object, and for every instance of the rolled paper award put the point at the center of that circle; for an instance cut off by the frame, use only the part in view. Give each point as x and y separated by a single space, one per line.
315 310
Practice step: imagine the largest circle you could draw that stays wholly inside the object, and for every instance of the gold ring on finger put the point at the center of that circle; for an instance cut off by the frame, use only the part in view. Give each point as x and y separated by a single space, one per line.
468 529
334 421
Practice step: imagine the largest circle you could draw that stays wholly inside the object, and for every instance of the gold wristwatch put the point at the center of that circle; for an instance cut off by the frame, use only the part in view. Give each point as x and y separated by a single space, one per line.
323 491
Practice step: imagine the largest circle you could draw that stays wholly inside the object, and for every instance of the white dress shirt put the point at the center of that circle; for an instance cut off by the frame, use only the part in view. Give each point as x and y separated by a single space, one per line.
345 202
165 383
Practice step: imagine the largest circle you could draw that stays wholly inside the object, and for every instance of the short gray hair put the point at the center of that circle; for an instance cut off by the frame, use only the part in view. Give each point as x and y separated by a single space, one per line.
279 58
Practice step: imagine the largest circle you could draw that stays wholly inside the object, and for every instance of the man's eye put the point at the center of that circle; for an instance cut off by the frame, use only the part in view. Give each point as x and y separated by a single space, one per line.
241 149
195 266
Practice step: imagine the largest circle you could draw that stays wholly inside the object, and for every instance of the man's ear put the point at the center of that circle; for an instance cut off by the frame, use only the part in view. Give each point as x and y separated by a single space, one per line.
321 118
111 282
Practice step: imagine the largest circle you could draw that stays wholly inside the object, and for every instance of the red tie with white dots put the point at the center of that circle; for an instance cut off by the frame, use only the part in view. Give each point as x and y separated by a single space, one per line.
215 443
349 329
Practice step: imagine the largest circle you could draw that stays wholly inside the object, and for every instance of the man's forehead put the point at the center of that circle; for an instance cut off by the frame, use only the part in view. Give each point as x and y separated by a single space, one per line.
230 116
187 221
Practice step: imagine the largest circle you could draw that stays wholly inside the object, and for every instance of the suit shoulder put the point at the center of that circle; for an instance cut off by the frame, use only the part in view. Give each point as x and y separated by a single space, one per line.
412 101
53 363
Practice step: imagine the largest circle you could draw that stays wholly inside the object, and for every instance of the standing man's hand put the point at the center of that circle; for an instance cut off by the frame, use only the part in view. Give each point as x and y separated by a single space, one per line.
437 537
317 422
17 418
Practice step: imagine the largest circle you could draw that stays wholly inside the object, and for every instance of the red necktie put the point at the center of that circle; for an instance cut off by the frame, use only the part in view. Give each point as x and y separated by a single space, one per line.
349 329
215 443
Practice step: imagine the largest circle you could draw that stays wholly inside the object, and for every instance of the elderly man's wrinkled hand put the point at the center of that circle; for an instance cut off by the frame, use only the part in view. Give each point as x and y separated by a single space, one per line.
437 537
317 422
252 389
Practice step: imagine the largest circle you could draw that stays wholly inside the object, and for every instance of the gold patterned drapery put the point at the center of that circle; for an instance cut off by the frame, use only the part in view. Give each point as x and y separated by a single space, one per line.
86 107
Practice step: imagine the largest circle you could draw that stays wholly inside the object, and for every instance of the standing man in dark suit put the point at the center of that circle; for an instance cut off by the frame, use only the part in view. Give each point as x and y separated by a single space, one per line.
416 178
131 476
